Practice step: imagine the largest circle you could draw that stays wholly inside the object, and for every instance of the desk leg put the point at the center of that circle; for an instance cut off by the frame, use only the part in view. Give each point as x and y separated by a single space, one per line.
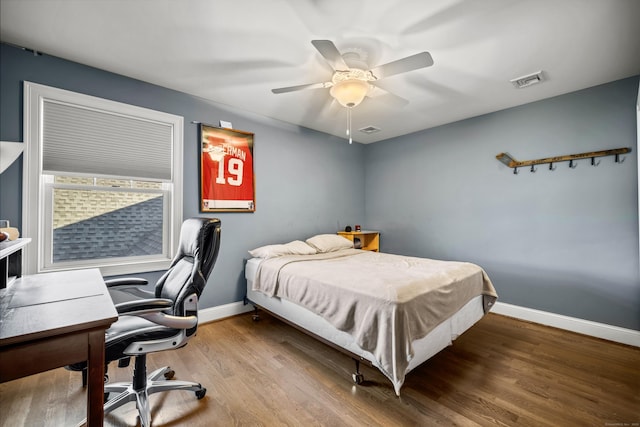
95 385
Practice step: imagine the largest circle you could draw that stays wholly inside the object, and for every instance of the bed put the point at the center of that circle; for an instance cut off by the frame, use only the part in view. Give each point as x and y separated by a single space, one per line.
390 311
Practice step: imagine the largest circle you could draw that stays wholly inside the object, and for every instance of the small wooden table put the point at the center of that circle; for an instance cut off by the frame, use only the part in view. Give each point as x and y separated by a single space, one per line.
367 240
55 319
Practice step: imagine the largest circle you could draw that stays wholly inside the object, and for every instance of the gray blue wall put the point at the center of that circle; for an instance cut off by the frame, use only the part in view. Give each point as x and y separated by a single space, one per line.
306 182
563 241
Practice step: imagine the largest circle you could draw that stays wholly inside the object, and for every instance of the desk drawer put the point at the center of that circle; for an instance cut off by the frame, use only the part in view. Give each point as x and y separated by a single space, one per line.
20 360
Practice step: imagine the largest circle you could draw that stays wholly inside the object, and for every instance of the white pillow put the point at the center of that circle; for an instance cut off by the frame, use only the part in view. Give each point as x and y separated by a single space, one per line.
329 242
297 247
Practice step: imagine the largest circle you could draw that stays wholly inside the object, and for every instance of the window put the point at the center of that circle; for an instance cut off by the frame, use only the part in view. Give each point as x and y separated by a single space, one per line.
102 183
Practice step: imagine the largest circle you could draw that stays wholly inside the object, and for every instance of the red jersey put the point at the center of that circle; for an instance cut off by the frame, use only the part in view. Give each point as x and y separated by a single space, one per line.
227 172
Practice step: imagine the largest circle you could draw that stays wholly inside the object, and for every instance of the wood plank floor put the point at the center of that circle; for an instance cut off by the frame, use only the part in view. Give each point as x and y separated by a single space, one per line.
501 372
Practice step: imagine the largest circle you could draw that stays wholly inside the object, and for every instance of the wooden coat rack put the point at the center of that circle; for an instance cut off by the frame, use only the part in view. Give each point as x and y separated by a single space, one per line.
515 164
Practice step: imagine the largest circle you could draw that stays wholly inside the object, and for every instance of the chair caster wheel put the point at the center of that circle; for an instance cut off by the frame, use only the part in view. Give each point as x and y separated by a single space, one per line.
358 378
255 317
169 374
200 393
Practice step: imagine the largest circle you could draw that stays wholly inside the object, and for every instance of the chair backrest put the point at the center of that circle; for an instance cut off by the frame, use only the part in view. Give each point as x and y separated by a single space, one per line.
192 265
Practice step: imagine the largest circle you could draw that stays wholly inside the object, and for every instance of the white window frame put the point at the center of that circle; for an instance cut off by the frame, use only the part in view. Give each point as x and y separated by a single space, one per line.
638 151
35 220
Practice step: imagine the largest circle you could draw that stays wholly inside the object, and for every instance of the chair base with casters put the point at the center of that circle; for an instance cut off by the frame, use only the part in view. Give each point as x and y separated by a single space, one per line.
142 386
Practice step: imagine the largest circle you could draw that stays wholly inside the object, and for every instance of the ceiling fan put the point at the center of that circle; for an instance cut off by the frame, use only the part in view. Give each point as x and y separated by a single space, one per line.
350 85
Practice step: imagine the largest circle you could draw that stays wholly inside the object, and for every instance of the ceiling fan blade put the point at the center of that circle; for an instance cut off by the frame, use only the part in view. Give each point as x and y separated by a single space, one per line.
384 95
300 87
330 52
413 62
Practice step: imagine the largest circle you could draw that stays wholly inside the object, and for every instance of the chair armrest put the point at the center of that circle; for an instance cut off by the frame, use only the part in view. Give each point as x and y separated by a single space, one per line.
143 306
126 281
175 322
152 309
130 286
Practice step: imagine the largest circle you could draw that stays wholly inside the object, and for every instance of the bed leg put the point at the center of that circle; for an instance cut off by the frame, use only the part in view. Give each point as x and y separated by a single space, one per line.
358 378
255 316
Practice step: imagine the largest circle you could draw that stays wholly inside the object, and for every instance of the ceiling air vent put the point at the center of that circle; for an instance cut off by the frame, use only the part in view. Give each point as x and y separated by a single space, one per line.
528 80
369 129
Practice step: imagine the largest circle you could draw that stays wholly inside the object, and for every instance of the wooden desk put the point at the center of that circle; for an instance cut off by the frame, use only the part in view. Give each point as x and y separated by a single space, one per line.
56 319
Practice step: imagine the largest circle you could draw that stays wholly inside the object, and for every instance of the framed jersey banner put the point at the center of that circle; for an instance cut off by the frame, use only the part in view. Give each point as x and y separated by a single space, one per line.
226 170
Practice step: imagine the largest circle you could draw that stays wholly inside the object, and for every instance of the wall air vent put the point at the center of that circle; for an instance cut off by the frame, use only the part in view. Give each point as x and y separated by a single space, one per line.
369 129
528 80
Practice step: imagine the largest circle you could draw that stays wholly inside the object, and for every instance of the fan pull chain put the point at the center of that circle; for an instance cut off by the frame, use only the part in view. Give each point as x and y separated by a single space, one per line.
349 125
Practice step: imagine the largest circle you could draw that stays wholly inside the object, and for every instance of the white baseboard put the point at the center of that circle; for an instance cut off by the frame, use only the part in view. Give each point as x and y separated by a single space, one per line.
586 327
207 315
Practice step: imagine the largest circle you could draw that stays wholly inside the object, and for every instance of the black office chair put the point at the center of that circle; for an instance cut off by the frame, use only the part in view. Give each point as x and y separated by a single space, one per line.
162 320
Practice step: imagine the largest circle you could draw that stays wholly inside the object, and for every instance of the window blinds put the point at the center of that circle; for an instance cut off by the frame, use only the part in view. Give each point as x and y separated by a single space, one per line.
78 139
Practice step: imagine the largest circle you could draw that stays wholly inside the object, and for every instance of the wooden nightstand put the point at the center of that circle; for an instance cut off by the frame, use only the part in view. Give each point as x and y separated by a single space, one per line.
367 240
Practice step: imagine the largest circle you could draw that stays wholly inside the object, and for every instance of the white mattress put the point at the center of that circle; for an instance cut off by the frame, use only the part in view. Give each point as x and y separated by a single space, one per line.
440 337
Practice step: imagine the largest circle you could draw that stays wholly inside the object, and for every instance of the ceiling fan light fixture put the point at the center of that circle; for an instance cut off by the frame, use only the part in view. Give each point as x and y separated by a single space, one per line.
350 93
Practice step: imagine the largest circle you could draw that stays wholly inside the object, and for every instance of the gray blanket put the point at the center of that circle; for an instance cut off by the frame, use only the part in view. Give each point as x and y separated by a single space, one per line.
384 301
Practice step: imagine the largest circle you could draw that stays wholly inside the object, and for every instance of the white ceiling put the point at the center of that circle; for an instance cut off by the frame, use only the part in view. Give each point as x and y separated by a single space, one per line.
235 51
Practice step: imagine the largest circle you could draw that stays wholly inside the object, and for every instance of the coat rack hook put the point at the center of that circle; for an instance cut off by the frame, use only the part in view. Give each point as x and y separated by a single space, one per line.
515 171
551 168
533 169
593 162
618 158
572 165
